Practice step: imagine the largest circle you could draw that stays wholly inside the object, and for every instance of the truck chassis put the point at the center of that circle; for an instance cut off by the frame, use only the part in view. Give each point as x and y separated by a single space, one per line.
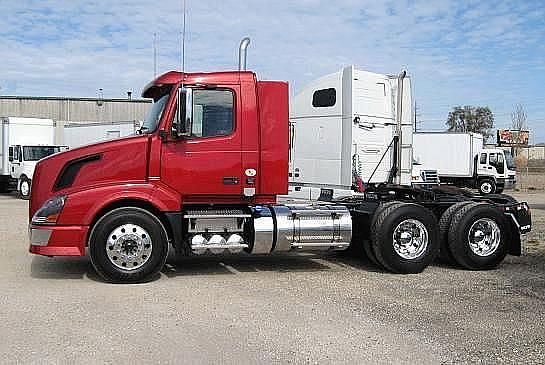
400 229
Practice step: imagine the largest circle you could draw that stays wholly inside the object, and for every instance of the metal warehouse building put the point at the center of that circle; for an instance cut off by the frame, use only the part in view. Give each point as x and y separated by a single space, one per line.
85 110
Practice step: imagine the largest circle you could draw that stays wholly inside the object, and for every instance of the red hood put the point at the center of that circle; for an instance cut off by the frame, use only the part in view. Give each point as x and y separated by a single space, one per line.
98 164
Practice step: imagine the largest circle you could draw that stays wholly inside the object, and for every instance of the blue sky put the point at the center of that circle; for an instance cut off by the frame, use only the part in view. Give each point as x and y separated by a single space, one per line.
457 52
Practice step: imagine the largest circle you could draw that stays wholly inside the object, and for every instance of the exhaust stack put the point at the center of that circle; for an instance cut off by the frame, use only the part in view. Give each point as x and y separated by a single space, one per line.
242 51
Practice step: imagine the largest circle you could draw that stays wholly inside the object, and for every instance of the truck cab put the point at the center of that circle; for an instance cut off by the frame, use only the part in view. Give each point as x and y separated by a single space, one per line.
495 170
22 161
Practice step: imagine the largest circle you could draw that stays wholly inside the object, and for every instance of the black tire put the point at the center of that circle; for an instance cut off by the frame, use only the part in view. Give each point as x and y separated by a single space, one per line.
383 229
24 193
444 225
487 186
499 190
158 241
368 244
458 236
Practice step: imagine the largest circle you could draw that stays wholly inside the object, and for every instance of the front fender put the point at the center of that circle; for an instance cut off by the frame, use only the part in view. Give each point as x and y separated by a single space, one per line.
82 206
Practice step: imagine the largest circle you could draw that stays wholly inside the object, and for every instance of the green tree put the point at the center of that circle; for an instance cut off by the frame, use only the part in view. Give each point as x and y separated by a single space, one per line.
471 119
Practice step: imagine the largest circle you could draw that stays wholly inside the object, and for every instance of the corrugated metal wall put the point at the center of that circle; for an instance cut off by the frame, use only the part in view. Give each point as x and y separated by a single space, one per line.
74 109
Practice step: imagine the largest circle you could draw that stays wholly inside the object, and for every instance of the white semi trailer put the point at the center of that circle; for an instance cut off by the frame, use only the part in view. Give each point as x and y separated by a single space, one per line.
461 160
344 127
80 134
24 141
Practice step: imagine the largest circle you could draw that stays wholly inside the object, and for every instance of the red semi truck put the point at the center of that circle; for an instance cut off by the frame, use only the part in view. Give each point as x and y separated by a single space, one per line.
204 176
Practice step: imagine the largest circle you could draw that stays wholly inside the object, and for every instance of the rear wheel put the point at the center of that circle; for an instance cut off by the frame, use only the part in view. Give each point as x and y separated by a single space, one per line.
128 245
478 236
487 186
368 244
444 225
24 188
405 238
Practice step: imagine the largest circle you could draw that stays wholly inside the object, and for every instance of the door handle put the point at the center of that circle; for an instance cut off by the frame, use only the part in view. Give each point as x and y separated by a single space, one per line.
231 180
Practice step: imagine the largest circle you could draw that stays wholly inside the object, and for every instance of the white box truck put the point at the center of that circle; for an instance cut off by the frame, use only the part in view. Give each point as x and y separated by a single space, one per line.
344 130
24 141
79 134
461 160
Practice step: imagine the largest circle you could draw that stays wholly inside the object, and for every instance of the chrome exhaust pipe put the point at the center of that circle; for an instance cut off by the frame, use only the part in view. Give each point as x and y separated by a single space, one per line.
400 80
242 51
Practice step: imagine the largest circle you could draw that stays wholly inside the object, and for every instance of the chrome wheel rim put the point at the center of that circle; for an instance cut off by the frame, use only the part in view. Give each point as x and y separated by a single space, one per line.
25 188
410 239
129 247
484 237
486 188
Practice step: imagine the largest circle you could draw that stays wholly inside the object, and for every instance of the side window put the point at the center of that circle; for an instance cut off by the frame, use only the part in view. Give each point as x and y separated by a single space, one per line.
492 159
483 159
16 154
11 154
212 113
324 98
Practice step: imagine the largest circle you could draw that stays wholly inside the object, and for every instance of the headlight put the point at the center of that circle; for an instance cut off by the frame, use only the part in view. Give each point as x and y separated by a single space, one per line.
50 210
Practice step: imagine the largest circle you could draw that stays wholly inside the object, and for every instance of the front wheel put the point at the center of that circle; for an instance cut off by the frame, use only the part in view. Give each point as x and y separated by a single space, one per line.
128 245
24 188
487 186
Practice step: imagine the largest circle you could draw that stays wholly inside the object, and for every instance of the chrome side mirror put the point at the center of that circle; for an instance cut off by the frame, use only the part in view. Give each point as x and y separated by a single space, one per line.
184 115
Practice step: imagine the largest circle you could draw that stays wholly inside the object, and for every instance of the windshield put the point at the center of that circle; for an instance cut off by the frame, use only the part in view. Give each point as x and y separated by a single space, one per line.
35 153
509 160
154 115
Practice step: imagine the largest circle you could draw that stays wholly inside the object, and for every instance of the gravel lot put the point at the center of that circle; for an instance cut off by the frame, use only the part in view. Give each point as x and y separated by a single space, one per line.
275 309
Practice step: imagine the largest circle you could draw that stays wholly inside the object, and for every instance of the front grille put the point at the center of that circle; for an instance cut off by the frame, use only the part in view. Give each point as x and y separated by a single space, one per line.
430 176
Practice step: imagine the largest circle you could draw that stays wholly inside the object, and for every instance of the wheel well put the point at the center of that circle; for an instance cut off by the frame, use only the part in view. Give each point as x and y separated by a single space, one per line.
487 178
126 203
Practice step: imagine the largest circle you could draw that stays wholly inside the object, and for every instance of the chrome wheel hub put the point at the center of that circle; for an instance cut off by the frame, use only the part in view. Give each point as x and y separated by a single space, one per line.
128 247
484 237
486 188
410 239
25 188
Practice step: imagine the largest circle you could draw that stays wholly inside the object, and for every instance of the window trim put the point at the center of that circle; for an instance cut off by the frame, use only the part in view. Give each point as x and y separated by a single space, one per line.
324 90
234 114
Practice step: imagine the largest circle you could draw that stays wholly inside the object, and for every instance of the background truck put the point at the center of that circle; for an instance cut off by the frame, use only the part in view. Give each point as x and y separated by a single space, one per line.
461 160
204 177
79 134
343 140
24 141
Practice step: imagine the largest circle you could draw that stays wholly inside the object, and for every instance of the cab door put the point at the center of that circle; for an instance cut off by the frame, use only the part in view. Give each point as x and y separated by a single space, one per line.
497 162
17 162
208 162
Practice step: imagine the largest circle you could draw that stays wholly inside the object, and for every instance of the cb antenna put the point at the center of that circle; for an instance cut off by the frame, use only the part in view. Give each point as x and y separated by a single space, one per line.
183 36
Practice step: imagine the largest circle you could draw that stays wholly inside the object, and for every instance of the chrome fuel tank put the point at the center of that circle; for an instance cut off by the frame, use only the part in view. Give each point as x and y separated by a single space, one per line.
312 227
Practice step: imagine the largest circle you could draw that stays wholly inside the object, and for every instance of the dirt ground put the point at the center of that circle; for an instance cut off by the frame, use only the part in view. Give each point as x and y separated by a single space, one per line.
274 309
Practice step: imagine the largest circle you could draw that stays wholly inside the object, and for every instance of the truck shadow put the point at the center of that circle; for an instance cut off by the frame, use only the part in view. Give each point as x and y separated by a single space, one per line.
233 265
80 268
62 268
